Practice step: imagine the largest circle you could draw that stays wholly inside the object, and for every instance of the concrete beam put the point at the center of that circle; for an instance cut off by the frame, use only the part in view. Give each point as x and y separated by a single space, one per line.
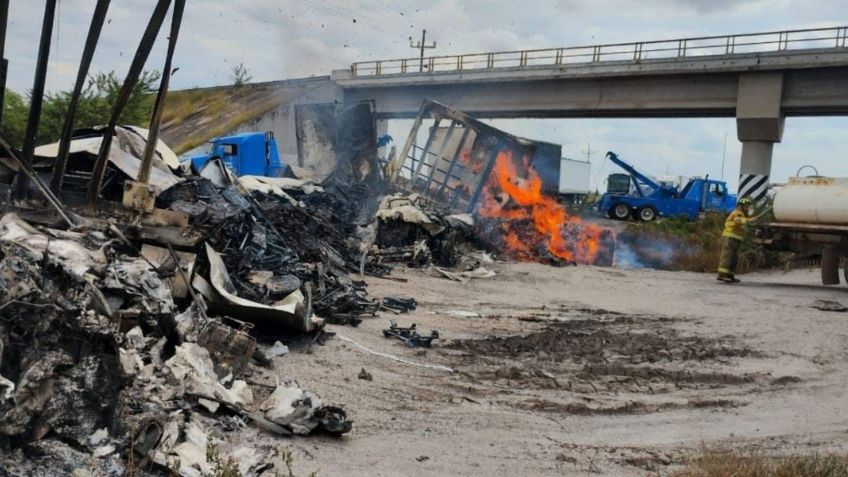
807 92
693 95
713 64
758 107
814 92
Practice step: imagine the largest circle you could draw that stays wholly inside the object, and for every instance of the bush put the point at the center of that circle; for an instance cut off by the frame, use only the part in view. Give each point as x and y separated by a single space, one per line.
94 108
717 464
675 243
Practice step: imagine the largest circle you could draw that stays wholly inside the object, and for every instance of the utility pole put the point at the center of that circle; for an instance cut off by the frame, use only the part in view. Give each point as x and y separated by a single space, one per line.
421 46
723 155
588 151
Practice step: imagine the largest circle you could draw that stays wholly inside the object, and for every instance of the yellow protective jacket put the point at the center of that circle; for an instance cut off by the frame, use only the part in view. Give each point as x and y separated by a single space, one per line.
734 226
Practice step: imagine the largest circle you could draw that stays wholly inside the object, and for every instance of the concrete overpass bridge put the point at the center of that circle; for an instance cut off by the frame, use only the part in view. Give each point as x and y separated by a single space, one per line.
758 78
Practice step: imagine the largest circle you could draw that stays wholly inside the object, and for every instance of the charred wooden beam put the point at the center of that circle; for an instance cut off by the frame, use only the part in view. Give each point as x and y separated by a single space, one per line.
153 134
22 180
94 30
140 58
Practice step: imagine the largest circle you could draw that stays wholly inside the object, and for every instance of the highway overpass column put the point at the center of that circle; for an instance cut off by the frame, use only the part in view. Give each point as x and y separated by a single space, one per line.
759 124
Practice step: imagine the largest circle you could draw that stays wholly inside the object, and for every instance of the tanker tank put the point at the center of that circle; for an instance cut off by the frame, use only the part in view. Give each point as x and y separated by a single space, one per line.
813 200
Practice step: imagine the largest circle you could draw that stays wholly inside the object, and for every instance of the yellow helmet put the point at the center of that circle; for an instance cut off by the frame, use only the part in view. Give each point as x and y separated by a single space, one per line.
745 201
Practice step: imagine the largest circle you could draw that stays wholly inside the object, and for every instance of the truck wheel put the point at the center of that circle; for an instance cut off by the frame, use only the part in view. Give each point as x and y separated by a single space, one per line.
646 213
620 211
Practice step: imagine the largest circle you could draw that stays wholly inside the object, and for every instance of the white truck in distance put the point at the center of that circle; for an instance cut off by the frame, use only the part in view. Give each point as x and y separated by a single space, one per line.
574 178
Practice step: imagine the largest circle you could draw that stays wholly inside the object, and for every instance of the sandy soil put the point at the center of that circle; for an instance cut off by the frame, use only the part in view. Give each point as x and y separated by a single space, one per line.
576 370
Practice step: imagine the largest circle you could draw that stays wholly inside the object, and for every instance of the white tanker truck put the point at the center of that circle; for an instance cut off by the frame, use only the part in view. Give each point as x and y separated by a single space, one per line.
811 218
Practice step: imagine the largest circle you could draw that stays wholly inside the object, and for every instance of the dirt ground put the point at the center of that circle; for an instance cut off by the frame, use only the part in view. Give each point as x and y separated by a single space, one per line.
578 370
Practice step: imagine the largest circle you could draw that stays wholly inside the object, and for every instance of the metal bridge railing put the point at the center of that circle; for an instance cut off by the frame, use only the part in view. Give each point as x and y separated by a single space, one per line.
774 41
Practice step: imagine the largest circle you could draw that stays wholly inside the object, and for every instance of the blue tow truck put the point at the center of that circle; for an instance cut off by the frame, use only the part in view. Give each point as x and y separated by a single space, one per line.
246 154
647 199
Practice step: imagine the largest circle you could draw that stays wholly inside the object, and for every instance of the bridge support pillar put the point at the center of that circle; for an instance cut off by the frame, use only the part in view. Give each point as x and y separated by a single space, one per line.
759 124
755 169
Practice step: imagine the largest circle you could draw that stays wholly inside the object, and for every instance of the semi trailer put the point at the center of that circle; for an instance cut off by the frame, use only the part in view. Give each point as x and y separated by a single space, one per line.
574 178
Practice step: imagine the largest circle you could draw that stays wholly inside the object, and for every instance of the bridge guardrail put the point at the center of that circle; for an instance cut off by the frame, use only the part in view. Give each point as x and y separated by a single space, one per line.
773 41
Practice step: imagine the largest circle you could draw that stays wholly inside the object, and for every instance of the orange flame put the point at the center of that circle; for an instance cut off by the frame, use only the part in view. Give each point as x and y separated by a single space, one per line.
517 201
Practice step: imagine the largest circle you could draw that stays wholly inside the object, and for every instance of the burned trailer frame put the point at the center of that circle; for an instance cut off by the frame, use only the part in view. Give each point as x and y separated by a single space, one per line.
454 165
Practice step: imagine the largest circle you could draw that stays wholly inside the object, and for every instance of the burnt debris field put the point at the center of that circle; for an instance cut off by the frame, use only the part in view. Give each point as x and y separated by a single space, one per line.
435 307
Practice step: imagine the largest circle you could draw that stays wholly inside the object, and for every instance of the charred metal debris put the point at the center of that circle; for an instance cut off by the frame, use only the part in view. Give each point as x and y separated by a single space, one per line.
409 335
139 295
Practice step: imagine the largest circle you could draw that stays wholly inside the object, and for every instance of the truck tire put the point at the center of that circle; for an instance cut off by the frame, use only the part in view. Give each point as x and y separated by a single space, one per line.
647 213
620 211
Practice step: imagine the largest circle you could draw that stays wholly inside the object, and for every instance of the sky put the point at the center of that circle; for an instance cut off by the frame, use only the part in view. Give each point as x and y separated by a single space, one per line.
278 39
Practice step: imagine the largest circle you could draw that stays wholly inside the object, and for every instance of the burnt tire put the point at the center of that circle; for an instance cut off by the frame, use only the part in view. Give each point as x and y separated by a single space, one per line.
647 213
620 211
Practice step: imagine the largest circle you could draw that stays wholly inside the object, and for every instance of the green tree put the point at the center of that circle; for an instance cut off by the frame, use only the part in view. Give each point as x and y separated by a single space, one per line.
15 110
94 108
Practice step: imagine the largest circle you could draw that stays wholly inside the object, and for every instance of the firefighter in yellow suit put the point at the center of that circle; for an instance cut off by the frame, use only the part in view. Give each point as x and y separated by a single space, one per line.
732 237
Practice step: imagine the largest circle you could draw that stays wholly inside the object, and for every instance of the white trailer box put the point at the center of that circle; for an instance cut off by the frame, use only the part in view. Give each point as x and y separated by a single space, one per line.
574 176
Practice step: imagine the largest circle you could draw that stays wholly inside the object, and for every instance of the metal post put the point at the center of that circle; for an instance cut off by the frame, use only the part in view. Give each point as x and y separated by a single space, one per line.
421 62
136 67
97 21
445 142
424 153
37 96
153 134
452 165
485 176
393 170
4 64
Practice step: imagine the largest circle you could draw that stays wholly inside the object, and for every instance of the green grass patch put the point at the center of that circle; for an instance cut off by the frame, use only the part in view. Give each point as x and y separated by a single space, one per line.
225 110
718 464
675 243
181 105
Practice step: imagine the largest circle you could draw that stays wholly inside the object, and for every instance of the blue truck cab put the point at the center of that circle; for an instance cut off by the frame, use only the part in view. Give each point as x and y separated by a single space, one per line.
246 154
647 199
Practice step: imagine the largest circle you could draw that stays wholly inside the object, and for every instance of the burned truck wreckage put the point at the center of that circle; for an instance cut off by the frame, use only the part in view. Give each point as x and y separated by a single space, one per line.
129 335
138 295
